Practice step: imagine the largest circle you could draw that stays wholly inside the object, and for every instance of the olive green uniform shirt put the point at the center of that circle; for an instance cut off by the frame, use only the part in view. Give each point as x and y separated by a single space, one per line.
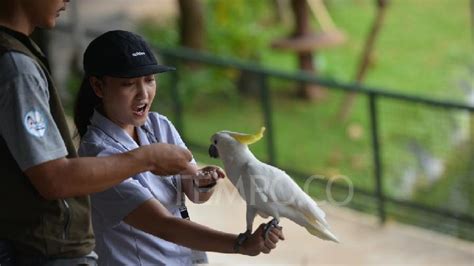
33 131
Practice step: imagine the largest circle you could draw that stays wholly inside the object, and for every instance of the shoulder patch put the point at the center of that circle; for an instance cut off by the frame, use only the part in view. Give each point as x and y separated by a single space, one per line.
35 123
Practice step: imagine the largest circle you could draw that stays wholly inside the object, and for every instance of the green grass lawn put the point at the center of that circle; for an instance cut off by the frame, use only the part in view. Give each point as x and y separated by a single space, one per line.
424 49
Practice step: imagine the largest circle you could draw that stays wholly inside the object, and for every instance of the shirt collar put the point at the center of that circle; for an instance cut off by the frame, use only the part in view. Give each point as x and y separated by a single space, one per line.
113 131
143 136
16 34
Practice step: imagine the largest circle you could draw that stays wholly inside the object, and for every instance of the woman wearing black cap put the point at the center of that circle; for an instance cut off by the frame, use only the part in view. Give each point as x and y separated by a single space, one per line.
143 220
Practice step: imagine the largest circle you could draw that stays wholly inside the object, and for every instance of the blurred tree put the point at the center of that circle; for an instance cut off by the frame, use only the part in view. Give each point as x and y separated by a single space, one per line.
305 58
192 29
306 42
366 58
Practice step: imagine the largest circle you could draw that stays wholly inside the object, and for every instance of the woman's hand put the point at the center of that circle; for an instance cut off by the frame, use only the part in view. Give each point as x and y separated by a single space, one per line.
256 243
199 187
208 176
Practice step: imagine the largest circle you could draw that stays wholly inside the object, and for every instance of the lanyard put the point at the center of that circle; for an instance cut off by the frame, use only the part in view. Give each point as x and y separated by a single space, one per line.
173 184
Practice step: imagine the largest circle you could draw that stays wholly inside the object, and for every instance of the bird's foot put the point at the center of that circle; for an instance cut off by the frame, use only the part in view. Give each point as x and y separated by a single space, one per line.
272 224
248 232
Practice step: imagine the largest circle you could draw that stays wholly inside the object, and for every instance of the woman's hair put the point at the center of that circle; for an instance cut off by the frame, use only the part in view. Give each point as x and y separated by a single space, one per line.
86 102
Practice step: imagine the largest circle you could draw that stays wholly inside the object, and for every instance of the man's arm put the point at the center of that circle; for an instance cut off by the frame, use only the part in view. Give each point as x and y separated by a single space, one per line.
62 178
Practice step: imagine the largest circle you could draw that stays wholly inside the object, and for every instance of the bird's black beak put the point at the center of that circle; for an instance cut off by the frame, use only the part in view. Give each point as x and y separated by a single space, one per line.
213 152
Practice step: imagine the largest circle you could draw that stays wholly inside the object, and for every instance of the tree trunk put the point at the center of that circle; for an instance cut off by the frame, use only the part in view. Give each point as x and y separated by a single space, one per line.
305 59
366 59
191 24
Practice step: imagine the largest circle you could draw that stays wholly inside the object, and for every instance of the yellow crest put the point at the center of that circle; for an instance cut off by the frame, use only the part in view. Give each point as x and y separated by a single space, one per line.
248 139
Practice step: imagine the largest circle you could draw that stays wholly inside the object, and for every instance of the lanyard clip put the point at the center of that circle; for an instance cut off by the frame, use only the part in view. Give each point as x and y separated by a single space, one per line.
184 212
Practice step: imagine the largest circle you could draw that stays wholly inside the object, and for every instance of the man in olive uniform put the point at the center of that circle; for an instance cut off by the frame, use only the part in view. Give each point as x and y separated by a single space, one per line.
45 210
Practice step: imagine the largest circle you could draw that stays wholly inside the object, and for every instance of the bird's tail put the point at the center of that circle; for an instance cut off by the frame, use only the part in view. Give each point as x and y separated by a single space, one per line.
316 222
321 231
311 211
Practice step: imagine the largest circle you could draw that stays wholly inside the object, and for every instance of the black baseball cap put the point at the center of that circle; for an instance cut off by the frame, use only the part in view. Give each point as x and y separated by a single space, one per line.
121 54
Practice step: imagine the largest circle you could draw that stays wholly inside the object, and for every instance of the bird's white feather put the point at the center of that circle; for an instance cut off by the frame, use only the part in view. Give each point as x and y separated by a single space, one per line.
269 191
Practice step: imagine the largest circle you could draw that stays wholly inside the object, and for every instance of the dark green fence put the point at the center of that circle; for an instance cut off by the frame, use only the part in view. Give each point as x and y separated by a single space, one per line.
171 56
374 95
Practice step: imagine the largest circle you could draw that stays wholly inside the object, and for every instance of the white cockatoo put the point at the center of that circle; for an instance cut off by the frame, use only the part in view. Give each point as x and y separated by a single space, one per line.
267 190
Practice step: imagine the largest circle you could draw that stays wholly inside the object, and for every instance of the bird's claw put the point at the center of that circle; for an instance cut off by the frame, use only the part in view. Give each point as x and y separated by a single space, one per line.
247 233
266 229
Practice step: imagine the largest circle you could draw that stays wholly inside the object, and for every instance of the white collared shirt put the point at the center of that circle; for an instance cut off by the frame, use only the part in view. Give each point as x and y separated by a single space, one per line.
118 243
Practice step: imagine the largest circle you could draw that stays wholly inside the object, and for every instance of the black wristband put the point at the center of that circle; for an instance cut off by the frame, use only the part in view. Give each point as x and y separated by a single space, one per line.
204 189
239 241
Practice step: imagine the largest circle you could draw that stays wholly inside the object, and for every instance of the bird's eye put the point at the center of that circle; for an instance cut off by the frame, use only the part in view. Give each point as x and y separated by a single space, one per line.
215 142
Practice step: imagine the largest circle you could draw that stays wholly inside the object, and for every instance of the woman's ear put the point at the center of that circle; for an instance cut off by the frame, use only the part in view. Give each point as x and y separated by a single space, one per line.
97 85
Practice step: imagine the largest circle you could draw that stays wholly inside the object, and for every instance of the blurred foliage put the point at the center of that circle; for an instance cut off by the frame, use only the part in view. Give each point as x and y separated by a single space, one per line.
421 51
239 28
204 82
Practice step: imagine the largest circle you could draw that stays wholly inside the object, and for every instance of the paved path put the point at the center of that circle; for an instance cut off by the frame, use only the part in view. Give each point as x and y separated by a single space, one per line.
363 241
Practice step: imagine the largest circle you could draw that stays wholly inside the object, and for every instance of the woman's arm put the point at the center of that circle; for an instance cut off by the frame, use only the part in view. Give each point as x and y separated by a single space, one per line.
153 218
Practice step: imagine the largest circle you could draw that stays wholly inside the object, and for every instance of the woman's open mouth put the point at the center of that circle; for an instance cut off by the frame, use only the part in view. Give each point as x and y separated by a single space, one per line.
140 110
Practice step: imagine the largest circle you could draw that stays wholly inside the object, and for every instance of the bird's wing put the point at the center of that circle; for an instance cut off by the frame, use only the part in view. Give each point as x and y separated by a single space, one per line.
279 188
280 196
255 181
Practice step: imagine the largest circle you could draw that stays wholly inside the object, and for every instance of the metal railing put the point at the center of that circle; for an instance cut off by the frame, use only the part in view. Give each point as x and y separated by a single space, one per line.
373 94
